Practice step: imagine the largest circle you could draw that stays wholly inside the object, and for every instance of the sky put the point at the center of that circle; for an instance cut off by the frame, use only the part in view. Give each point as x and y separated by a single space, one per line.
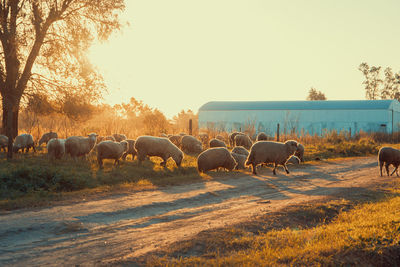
181 54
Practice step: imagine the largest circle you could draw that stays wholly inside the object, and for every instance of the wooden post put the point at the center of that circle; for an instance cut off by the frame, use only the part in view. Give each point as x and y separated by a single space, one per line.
277 132
190 127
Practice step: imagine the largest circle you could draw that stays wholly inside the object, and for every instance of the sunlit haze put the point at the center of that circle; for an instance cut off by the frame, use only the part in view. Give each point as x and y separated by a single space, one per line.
180 54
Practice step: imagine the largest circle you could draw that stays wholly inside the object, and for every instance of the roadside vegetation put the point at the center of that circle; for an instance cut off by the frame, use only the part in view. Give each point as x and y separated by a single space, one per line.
361 228
32 180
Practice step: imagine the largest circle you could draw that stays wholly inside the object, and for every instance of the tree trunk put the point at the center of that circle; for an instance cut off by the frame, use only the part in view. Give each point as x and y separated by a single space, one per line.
10 121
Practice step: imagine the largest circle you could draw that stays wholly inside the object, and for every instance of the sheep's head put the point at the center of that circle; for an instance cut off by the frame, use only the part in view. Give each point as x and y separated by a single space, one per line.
125 145
291 146
178 159
92 139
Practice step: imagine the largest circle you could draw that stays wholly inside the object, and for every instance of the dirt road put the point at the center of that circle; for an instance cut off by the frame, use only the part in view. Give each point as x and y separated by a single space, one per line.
125 226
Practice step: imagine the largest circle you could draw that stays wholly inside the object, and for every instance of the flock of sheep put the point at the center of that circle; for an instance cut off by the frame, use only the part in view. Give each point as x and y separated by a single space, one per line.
244 151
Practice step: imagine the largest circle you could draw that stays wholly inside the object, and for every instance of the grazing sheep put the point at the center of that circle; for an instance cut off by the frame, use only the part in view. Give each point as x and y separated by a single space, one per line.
158 146
293 160
105 138
119 137
3 142
243 140
131 149
388 155
23 141
214 158
217 143
111 150
240 160
240 150
262 137
46 137
271 152
232 138
79 146
175 139
55 148
300 152
191 144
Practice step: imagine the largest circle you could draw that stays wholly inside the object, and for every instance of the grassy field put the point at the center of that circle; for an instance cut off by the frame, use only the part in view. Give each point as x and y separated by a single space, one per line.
32 180
363 230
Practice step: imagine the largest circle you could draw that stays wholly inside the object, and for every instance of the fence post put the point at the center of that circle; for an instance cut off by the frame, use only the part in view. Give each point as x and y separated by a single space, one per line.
277 132
190 127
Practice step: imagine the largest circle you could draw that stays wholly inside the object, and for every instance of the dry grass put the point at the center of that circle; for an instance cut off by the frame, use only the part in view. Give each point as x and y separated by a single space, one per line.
363 231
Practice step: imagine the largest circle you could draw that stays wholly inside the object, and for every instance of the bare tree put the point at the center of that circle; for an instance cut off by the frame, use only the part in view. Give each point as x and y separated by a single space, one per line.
43 46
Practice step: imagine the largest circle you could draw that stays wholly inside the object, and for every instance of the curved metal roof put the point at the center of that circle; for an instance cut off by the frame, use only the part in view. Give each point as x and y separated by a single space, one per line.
300 105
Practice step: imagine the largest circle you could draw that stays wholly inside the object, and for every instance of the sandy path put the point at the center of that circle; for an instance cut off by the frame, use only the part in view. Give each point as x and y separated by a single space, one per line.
125 226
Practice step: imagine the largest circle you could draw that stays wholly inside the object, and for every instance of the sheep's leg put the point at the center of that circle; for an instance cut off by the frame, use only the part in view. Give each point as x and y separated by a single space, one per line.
395 170
100 161
124 156
387 168
380 166
34 149
254 168
274 170
285 167
164 163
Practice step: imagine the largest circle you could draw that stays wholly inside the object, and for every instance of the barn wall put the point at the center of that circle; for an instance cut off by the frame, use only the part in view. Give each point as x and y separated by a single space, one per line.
311 121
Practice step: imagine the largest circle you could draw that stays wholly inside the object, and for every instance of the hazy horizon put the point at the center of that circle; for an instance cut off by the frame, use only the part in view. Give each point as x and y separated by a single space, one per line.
181 54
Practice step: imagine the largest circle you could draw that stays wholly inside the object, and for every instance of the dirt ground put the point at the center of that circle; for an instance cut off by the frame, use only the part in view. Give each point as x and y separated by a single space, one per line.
125 226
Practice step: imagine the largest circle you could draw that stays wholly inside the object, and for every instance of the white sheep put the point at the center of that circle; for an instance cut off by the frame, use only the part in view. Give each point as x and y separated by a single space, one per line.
46 137
240 150
23 141
262 137
191 144
111 150
231 138
293 160
300 152
216 143
158 146
389 156
119 137
3 142
240 160
79 146
271 152
55 148
243 140
214 158
131 149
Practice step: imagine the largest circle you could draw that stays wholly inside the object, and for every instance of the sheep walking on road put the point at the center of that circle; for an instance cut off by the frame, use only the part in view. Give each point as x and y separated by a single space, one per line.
271 152
389 156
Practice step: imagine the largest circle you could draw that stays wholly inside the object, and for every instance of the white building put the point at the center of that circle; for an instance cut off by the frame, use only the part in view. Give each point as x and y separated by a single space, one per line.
313 117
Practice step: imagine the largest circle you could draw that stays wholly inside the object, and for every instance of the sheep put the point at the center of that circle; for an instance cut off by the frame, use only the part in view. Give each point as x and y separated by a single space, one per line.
105 138
23 141
46 137
131 149
175 139
232 138
243 140
293 160
300 152
111 150
55 148
240 150
79 146
119 137
217 143
191 144
158 146
262 137
220 137
3 142
240 160
214 158
388 155
271 152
